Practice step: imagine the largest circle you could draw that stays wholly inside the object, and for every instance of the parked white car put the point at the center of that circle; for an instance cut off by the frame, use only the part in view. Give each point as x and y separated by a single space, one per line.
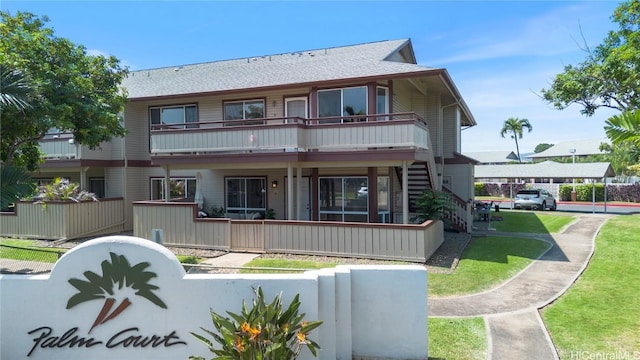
536 199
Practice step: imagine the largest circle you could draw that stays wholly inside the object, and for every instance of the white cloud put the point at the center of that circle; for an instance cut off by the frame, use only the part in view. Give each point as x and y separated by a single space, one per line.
554 33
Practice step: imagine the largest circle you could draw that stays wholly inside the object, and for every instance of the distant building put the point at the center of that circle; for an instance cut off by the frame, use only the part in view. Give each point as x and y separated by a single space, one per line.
567 149
493 157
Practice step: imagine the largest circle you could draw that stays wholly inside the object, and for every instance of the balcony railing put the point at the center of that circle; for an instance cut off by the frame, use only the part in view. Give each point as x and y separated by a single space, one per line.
401 130
62 146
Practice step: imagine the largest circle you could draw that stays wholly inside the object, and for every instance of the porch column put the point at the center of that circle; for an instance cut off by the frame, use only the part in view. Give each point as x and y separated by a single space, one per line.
298 191
372 194
167 182
83 178
289 192
405 192
315 207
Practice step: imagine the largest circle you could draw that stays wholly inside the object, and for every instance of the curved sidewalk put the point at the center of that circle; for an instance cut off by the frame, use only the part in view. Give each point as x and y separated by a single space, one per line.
511 310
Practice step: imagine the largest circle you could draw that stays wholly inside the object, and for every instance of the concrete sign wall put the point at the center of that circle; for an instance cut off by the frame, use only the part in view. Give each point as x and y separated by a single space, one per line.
122 297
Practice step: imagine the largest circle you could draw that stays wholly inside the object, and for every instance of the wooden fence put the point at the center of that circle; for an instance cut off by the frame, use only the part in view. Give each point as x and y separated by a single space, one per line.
180 227
63 220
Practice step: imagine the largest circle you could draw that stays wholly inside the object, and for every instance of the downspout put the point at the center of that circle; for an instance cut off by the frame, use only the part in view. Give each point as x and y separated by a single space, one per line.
441 140
125 164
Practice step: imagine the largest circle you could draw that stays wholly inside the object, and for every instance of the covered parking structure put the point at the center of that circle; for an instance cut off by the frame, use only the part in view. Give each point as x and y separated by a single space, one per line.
549 170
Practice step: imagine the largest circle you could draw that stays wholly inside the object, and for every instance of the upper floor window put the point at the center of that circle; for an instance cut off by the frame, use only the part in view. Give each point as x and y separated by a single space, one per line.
343 102
175 117
243 110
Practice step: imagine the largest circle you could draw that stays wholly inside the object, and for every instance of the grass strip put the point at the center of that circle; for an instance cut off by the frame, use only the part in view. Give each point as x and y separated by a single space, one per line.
460 339
486 263
283 264
598 316
534 222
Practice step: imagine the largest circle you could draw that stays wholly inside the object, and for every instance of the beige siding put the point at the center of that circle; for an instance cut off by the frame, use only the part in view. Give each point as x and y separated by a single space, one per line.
451 131
179 227
137 123
64 220
401 97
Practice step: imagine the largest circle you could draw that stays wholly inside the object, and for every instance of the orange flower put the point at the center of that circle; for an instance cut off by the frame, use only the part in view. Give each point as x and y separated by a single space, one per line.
253 333
285 328
239 344
245 327
302 337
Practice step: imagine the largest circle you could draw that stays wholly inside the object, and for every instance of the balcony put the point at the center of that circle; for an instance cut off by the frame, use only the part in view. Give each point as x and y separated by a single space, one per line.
61 146
400 130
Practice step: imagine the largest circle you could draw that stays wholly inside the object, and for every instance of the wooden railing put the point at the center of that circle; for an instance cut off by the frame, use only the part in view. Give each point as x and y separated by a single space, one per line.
402 130
458 211
180 227
62 146
63 220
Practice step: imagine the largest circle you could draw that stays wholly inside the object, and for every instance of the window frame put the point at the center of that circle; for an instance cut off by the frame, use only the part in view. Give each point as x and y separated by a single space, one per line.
244 120
172 126
344 118
343 203
186 179
245 209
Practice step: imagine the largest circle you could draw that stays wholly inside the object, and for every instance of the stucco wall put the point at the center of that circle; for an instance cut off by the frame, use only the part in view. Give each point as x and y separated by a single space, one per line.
358 304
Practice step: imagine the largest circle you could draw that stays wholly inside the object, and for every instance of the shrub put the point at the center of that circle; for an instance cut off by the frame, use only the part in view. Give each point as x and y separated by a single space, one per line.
564 192
61 190
431 205
267 331
479 189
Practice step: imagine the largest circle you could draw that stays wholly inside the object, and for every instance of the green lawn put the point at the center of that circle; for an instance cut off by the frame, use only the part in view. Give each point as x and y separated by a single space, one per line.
284 264
535 222
601 312
486 263
17 249
460 339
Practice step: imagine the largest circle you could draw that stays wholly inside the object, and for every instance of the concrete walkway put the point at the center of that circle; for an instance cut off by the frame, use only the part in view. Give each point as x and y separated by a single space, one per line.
230 260
511 310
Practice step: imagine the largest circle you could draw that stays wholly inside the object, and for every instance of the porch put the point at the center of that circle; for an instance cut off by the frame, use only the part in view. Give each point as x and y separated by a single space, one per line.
181 227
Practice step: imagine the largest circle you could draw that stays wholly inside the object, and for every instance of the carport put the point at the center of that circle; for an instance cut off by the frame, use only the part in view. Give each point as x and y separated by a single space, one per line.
549 169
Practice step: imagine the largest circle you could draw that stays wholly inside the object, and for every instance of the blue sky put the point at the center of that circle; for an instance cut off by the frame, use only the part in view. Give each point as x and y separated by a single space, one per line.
500 54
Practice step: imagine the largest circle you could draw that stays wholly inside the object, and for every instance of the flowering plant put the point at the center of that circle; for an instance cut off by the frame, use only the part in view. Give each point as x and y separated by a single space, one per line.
267 331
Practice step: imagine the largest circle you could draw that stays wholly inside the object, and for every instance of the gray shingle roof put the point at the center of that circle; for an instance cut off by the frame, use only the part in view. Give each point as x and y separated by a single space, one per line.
545 169
563 149
356 61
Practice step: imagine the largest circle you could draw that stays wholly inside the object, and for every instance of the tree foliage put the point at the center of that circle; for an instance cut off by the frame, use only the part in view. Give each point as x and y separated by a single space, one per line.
542 147
75 92
610 75
515 127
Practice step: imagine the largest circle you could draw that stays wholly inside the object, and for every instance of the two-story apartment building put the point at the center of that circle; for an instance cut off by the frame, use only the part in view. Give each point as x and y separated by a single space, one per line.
346 134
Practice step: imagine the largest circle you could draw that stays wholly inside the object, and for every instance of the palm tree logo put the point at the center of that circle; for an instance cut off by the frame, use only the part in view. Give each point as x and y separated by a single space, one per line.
119 281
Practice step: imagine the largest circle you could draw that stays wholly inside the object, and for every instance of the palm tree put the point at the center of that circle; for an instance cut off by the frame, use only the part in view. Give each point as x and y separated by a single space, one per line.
15 90
15 184
624 132
514 126
624 127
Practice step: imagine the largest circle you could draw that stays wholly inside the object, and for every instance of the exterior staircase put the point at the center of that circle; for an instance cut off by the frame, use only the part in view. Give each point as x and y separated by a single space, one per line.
419 180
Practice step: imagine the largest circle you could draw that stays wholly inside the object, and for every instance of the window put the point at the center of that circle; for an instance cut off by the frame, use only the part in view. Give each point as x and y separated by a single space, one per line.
179 188
343 103
174 117
246 195
344 199
244 110
96 186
